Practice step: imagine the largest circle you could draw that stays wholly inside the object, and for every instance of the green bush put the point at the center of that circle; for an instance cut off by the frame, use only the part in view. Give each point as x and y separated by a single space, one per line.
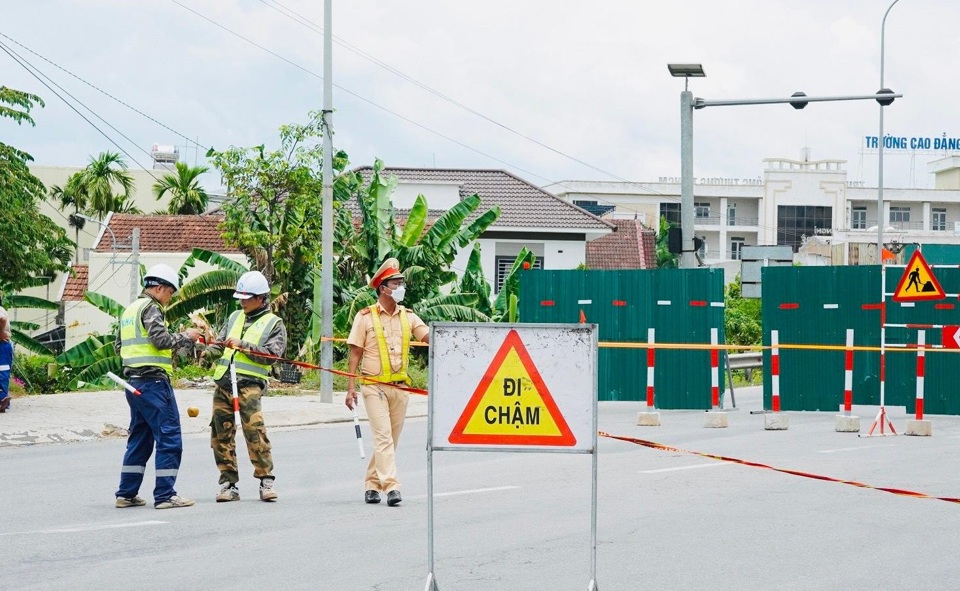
32 370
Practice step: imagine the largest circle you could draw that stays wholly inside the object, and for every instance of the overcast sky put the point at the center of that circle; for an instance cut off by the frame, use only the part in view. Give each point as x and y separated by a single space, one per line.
587 79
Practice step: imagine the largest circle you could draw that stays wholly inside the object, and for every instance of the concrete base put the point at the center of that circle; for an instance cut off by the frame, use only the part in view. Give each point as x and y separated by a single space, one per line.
920 428
776 421
716 419
648 419
846 424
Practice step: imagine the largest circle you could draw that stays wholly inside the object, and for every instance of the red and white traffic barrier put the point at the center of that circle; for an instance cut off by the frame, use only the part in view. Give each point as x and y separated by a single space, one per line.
921 340
651 357
714 370
848 374
775 369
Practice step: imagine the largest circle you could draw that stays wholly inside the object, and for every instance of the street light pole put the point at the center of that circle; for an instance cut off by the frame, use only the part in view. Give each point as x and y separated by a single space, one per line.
687 217
880 220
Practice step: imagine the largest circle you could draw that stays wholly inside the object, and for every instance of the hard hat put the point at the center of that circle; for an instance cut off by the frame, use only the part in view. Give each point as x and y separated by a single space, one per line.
251 283
161 274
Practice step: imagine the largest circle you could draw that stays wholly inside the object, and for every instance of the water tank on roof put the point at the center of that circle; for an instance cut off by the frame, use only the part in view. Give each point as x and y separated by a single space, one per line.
164 154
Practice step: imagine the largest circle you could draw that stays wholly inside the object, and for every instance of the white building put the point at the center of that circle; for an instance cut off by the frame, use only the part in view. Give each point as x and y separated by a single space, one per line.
793 201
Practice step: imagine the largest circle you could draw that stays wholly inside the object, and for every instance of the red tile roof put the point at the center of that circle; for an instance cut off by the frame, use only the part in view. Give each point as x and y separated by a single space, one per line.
631 247
167 233
76 284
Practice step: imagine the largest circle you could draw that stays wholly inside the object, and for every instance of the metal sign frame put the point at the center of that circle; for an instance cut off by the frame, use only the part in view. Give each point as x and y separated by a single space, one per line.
440 334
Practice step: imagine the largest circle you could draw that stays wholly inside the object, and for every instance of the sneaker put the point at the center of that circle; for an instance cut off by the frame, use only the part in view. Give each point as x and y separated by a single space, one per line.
174 502
393 498
124 502
266 490
228 492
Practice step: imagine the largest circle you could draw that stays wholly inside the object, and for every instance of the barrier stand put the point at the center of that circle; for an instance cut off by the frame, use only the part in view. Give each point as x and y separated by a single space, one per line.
716 418
846 422
919 426
775 421
649 418
882 419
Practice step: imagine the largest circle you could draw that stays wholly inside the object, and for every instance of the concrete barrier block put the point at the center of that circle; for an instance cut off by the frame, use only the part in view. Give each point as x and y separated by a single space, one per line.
847 424
716 419
776 421
648 419
922 428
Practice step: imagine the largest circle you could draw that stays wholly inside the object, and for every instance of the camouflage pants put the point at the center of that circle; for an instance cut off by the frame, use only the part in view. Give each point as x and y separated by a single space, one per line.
223 431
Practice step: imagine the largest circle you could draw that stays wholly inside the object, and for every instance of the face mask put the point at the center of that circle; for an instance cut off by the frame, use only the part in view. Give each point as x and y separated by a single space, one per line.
397 294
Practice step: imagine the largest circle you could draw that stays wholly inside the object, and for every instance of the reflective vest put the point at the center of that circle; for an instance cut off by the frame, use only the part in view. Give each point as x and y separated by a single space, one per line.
386 369
136 350
256 334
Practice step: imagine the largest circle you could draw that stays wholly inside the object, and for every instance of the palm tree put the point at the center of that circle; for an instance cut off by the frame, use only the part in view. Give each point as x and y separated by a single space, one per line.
67 196
93 186
186 195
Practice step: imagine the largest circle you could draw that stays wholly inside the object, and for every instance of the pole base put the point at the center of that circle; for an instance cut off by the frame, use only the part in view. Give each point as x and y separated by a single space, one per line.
716 419
846 424
431 584
776 421
919 428
883 422
648 419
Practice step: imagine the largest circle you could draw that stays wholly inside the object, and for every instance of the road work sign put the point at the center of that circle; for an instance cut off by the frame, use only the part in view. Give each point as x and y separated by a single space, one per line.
918 282
513 386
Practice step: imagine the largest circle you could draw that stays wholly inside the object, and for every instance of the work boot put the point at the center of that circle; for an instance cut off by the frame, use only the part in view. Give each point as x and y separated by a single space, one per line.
124 502
228 492
371 497
393 498
174 502
266 490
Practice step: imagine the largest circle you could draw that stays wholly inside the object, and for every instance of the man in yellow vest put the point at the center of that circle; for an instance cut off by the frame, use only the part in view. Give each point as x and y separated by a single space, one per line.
380 345
249 331
146 346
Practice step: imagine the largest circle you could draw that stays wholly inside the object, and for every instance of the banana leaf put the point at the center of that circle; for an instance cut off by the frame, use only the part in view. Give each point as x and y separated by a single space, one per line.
22 301
416 220
29 343
84 353
104 304
97 370
212 258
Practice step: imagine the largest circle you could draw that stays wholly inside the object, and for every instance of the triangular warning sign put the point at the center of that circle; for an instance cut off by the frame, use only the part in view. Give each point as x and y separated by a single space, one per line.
918 282
511 405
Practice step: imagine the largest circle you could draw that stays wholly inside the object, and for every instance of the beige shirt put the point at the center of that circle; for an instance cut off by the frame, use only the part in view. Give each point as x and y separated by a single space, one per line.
363 335
7 332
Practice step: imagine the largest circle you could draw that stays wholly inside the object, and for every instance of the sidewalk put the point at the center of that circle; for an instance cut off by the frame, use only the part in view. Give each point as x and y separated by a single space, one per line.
87 416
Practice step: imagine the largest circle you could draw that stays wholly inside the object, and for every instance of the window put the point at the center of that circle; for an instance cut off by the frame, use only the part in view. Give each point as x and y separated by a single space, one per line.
670 211
858 218
732 214
736 247
939 221
702 210
796 221
899 214
504 264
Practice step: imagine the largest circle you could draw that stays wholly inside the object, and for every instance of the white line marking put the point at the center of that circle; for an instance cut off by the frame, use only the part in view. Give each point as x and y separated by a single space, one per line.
476 490
584 301
82 528
663 302
692 467
831 306
717 304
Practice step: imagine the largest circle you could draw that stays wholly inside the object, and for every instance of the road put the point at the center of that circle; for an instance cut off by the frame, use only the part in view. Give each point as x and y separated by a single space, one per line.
666 520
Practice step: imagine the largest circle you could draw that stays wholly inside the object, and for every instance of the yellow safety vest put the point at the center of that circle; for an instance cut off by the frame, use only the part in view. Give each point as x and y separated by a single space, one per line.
256 334
386 369
136 350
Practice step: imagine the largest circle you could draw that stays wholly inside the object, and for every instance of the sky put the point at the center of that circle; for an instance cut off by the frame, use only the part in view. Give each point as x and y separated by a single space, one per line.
548 90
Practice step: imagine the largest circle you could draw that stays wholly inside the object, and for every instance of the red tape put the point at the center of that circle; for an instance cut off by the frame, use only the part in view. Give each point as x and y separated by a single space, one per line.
894 491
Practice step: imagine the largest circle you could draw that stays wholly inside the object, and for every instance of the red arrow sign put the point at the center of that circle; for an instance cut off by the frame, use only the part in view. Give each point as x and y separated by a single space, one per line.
951 337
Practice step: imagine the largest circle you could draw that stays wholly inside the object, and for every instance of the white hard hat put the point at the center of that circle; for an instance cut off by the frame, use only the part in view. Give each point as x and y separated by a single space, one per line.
161 274
251 283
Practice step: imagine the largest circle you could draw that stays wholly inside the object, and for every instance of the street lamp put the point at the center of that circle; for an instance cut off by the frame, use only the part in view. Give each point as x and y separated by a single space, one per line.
686 71
798 101
883 89
87 218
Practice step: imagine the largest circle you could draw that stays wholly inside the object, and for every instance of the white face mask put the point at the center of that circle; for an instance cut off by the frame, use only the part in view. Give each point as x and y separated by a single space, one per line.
397 294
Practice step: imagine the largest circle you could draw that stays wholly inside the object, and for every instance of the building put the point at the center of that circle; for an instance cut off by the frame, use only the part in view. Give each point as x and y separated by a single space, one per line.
793 201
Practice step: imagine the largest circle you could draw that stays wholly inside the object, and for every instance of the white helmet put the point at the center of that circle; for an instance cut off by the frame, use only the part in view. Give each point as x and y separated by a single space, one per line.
251 283
161 274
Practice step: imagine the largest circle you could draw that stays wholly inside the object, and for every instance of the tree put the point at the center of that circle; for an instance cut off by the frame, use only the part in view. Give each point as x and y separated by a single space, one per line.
92 189
187 197
742 317
665 258
32 247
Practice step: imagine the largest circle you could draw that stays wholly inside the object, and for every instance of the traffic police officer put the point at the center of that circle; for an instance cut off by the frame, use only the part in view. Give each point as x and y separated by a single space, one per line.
146 347
380 344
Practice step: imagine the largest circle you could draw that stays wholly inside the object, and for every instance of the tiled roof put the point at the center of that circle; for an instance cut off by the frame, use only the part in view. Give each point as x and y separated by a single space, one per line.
522 205
76 283
167 233
631 247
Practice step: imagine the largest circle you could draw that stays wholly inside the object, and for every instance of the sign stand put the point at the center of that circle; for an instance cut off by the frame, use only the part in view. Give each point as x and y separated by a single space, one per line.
882 419
512 407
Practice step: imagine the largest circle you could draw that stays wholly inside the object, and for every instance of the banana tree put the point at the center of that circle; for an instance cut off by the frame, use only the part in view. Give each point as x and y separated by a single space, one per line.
91 359
18 328
505 308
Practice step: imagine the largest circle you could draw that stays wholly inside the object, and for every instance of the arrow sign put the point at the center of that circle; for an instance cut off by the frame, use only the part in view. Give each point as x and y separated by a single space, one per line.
951 337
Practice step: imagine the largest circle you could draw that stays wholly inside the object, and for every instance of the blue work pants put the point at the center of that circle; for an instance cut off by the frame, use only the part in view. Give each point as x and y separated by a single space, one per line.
153 418
6 364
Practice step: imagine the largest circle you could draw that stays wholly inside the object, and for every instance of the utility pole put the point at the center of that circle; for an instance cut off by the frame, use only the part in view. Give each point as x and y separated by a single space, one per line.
134 264
326 256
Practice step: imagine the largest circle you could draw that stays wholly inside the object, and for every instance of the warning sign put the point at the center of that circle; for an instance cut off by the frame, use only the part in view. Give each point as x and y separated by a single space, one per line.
512 405
918 282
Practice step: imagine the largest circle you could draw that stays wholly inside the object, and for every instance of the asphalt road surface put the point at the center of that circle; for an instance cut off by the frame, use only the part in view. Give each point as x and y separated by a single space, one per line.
666 520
